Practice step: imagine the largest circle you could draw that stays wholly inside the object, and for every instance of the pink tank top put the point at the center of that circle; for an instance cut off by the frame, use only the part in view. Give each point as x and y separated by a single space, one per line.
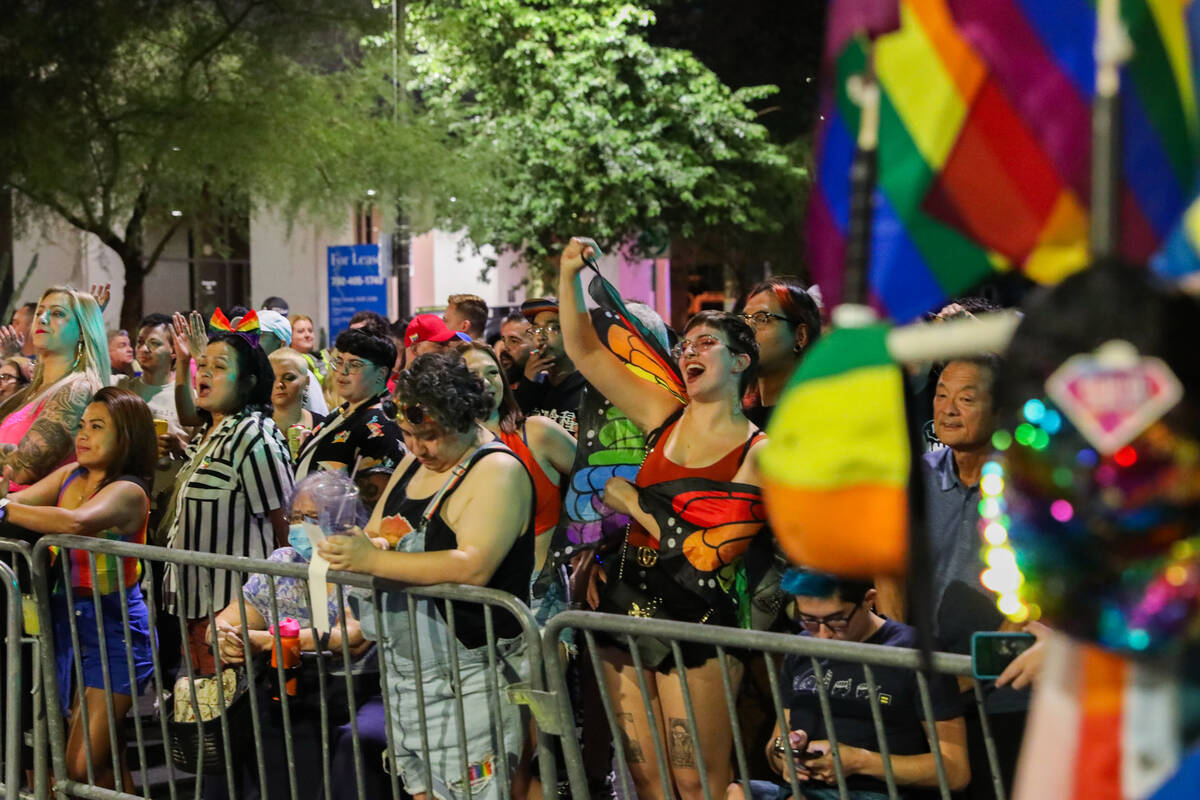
14 427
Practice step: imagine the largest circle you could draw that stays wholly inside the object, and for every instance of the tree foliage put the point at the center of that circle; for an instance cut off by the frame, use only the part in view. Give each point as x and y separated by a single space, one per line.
524 121
130 118
591 128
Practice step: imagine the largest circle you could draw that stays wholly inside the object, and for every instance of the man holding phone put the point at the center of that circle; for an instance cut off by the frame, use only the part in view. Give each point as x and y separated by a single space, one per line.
550 384
834 608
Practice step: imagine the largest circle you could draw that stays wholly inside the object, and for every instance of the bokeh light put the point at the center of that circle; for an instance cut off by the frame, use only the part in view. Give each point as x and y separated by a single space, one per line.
1125 457
1062 510
1024 434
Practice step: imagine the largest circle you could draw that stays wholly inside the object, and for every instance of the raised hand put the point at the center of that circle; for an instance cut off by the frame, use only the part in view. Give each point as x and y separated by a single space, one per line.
103 293
179 336
190 336
197 333
11 341
574 254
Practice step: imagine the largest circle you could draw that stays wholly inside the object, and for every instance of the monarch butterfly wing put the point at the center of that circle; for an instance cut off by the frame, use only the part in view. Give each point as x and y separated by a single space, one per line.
704 527
630 340
609 444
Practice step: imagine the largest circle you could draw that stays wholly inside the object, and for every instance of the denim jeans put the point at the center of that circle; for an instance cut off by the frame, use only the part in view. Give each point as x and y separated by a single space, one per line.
492 728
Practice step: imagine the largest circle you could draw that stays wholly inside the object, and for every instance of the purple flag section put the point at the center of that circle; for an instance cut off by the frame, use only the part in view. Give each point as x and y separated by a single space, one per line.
850 18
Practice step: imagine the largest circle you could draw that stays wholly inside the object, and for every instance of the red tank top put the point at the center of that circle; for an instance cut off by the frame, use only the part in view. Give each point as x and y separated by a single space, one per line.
547 499
657 468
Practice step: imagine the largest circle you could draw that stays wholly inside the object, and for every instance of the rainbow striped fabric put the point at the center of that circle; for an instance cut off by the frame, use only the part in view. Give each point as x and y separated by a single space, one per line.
835 479
1181 254
1102 727
984 144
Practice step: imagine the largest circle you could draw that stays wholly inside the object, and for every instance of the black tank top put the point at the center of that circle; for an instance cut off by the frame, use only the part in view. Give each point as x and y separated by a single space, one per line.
513 574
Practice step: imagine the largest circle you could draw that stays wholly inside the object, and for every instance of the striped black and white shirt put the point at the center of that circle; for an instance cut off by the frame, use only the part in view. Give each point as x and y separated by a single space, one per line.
244 474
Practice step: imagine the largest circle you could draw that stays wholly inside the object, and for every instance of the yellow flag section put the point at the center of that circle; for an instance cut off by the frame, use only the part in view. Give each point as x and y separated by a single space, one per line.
836 465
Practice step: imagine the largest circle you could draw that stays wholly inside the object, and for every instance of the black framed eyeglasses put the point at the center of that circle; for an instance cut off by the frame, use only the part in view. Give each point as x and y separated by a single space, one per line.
837 623
759 318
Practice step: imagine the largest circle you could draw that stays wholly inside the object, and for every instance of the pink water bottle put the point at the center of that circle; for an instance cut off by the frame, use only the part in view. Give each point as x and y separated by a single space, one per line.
288 649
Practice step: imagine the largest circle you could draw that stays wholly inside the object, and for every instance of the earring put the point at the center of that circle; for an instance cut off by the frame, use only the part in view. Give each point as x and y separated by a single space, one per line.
78 353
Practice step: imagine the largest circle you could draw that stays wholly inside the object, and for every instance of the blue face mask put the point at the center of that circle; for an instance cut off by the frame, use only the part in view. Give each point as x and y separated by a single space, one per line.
299 539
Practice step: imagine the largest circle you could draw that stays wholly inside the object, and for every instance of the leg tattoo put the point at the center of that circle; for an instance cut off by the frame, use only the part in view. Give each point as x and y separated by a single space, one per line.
683 750
633 748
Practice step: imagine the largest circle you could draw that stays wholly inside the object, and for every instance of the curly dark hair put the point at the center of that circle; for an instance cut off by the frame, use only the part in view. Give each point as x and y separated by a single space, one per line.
740 338
446 389
372 323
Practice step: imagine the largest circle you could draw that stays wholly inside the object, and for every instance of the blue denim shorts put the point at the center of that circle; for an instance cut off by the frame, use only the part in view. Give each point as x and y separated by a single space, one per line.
117 637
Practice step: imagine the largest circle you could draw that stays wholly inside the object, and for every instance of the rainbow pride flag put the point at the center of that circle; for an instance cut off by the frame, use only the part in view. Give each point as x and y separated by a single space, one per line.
984 144
1180 254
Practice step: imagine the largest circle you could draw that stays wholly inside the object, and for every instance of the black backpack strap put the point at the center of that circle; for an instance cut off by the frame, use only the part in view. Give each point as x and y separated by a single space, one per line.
656 434
751 440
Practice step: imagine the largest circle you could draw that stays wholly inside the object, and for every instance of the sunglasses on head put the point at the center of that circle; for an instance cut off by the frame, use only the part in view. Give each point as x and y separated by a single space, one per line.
415 414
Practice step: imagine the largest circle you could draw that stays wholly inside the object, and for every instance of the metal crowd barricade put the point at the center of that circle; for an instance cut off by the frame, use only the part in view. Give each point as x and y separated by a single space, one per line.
11 690
773 646
232 749
21 680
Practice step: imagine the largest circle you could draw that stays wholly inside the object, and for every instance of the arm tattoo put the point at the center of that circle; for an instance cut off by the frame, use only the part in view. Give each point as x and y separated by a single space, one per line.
50 439
633 748
679 742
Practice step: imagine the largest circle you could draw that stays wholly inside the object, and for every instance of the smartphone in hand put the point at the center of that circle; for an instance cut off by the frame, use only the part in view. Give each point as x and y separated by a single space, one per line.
993 651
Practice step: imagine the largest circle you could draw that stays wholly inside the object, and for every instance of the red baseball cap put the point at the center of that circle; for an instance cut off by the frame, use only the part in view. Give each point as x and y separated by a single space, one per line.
427 328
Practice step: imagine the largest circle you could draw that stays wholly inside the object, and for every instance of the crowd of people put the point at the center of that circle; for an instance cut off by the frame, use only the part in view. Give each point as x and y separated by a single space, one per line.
458 437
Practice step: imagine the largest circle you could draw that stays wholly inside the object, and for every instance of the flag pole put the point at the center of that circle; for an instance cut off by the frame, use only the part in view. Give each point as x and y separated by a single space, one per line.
864 91
854 311
1113 48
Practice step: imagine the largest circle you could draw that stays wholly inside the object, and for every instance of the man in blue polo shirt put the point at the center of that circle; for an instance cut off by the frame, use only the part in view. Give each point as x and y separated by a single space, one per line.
964 420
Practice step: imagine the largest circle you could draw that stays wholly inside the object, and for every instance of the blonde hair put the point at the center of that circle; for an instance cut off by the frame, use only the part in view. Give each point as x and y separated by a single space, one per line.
301 318
91 359
291 358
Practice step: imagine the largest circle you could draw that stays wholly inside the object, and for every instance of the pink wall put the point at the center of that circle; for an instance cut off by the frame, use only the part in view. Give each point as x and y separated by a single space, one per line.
646 280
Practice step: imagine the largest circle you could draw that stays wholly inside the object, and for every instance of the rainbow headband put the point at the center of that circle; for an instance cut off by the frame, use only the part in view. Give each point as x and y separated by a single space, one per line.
247 326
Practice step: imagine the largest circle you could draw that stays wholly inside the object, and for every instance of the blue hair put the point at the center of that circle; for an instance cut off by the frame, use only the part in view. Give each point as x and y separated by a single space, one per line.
804 583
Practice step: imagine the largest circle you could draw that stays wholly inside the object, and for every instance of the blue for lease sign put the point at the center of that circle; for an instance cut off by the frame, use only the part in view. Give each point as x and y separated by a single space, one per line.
356 283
